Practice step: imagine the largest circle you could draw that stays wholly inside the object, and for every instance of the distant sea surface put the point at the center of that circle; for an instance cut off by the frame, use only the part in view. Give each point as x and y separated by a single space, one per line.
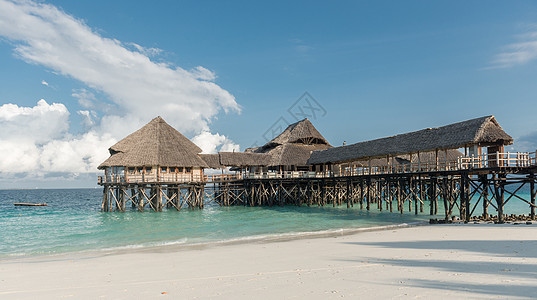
72 222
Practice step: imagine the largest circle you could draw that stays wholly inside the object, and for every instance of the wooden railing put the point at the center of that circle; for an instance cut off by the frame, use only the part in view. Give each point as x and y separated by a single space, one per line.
508 159
223 177
151 178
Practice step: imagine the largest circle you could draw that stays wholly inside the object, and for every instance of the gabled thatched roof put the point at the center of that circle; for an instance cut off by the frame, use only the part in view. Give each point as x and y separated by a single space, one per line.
301 132
236 159
212 160
481 131
293 154
155 144
294 145
244 159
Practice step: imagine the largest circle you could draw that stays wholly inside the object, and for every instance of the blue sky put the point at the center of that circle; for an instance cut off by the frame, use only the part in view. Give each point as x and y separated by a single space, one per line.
377 68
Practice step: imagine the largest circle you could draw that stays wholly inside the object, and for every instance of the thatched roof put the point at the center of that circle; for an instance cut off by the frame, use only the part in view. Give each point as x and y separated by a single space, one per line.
301 132
244 159
293 154
481 131
235 159
155 144
212 160
294 145
425 157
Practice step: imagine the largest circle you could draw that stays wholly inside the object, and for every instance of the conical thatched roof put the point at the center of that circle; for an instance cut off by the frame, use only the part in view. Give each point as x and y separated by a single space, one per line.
481 131
294 145
155 144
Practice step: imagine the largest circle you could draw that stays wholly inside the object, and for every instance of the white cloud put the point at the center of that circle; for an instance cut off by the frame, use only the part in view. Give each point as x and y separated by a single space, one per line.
76 155
201 73
85 98
139 88
87 118
47 36
44 82
518 53
36 139
212 143
146 51
40 123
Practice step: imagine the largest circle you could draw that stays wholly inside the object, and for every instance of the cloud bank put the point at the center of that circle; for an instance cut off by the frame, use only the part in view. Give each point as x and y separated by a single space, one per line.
36 140
136 87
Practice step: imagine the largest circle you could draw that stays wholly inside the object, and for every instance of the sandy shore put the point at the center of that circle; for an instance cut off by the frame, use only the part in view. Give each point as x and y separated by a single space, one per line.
441 261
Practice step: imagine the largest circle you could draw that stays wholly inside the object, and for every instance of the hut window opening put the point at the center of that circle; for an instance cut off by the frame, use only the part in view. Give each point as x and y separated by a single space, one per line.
132 170
148 170
163 169
180 170
188 170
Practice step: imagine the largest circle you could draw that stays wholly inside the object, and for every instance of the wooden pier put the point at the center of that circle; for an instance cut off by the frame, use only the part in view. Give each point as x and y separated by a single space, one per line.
389 174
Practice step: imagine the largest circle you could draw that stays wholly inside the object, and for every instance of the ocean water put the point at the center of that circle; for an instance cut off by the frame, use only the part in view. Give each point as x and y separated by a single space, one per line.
72 222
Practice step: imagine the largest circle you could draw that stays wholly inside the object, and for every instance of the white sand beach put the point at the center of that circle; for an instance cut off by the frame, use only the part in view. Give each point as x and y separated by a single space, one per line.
430 262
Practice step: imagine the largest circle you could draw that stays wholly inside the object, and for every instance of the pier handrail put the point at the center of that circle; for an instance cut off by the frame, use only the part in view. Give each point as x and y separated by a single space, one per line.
491 160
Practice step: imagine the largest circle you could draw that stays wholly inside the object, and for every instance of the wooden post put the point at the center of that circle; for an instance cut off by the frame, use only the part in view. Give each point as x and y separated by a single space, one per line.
159 197
463 197
485 184
389 193
467 197
414 196
436 152
122 199
532 195
445 160
432 195
499 191
348 193
368 183
399 200
362 193
106 203
133 197
421 195
445 196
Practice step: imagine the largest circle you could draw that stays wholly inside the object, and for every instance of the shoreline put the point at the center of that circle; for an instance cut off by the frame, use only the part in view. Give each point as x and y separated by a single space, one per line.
480 261
174 246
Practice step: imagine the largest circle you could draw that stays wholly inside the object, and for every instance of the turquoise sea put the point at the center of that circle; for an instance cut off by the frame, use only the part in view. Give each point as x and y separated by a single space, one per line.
72 222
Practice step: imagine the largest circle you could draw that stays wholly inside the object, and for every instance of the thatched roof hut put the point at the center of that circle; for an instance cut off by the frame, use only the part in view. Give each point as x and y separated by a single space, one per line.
236 159
294 145
484 131
155 144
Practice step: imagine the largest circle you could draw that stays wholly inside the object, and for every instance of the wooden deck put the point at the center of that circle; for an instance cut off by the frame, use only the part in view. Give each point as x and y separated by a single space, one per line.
490 181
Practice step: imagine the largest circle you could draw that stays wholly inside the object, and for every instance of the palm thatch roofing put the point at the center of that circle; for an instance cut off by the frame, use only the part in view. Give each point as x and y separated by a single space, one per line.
155 144
244 159
212 160
294 145
484 131
236 159
424 157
